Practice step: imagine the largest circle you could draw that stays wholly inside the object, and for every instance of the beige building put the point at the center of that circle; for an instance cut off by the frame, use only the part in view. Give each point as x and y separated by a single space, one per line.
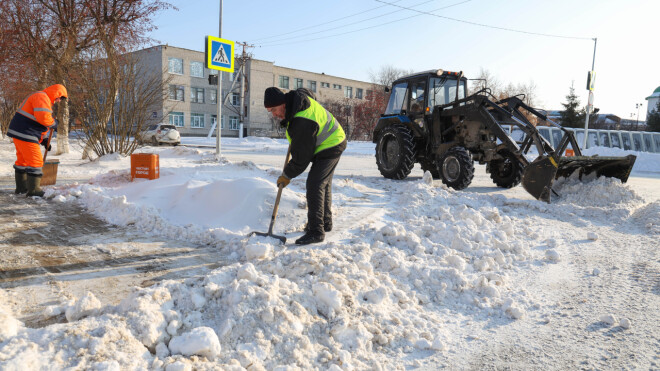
191 104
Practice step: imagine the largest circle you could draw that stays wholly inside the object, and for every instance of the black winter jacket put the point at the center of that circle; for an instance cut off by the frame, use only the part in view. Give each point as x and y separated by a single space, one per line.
303 135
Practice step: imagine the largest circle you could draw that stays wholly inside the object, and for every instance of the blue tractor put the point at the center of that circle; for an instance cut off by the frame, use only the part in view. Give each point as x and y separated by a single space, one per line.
430 119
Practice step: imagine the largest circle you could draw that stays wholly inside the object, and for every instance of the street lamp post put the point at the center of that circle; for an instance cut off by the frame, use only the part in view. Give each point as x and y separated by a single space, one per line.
638 106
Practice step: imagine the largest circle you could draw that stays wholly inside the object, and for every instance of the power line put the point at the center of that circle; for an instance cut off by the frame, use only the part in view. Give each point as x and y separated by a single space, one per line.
346 25
322 24
277 43
485 25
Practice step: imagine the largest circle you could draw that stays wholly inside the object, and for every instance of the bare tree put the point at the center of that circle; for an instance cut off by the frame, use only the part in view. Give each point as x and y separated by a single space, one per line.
485 80
113 128
48 39
387 74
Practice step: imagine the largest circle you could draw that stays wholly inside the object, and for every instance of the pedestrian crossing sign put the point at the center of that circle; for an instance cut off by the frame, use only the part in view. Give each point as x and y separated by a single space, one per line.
219 54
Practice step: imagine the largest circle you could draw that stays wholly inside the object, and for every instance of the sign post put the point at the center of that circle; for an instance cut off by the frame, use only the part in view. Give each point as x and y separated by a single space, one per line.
220 57
591 79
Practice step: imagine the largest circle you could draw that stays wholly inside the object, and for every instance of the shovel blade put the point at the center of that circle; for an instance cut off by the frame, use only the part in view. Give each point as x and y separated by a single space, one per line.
539 176
282 239
611 167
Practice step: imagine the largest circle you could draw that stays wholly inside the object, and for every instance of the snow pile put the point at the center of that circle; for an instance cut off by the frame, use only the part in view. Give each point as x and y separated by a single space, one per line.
649 216
9 325
437 256
597 193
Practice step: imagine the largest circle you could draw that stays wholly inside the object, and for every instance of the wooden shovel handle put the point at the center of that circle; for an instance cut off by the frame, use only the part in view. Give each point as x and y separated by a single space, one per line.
50 135
279 194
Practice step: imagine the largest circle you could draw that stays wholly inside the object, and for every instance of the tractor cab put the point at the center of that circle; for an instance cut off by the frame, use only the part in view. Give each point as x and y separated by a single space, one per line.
416 95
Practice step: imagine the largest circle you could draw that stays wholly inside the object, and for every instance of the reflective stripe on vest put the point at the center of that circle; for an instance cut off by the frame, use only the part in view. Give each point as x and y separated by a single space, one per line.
26 137
330 132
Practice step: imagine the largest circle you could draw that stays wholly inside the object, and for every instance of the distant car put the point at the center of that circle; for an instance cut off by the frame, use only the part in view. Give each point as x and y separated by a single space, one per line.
160 133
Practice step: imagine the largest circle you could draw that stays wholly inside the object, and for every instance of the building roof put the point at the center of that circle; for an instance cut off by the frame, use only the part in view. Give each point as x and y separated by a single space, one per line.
656 93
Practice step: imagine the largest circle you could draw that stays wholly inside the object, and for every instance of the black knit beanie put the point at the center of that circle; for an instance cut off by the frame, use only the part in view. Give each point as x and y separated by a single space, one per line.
273 97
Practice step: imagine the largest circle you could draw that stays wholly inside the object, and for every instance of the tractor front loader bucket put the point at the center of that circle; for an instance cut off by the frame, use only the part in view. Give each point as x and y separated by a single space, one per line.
539 176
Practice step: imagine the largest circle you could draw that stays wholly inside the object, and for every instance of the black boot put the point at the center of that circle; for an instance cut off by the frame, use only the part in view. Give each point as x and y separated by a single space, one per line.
21 182
327 227
34 186
310 237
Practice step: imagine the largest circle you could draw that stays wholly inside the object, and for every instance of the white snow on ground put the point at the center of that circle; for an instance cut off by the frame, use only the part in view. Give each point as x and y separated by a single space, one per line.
408 264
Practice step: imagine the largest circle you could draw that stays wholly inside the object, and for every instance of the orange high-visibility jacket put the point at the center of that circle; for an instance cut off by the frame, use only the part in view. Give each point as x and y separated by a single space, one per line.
35 115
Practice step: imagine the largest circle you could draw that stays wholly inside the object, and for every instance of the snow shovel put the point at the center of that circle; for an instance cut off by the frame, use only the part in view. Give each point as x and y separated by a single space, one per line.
277 204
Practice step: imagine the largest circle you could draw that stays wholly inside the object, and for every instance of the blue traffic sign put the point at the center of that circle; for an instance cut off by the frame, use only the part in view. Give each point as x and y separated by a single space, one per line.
219 54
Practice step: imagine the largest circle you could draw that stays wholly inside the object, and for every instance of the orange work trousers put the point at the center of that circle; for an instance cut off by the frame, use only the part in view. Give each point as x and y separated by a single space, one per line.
28 157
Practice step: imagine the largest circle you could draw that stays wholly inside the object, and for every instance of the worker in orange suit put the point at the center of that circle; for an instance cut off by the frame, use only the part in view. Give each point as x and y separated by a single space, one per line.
28 128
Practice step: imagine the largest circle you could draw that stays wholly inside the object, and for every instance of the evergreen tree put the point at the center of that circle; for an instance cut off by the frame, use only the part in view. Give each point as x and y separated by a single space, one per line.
653 119
571 117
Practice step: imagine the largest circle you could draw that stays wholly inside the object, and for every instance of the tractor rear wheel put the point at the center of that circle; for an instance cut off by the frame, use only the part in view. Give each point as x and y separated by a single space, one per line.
456 168
506 172
395 152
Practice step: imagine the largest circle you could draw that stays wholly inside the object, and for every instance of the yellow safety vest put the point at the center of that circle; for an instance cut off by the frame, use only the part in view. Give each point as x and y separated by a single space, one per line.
330 132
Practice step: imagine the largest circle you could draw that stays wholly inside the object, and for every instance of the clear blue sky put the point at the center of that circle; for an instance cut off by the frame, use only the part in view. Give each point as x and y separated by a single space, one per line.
328 36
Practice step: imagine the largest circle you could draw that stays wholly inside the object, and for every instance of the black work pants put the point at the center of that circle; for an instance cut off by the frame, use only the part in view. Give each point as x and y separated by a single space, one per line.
319 194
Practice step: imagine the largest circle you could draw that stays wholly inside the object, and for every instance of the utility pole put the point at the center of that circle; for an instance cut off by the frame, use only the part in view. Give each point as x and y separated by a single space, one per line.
244 58
590 102
219 100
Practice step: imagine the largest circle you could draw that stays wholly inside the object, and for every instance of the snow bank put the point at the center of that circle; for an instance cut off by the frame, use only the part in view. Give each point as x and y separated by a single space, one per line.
420 259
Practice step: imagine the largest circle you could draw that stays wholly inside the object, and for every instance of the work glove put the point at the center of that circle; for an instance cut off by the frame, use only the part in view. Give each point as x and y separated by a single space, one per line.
46 145
283 181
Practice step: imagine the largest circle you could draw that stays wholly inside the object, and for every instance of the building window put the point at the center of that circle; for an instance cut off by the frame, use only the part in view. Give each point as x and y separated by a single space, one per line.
196 120
176 92
311 85
175 65
214 121
297 83
213 99
325 85
370 94
358 93
336 86
222 122
196 69
233 122
348 92
284 82
235 99
197 95
229 75
176 119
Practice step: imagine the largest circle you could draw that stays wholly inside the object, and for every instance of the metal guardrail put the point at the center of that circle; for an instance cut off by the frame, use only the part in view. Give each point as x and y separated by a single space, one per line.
641 141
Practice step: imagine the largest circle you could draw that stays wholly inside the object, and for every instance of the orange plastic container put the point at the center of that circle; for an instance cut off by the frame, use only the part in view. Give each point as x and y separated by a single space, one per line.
569 152
145 165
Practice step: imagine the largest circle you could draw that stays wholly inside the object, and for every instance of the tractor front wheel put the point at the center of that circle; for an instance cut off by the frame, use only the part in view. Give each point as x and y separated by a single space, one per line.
395 152
456 168
507 171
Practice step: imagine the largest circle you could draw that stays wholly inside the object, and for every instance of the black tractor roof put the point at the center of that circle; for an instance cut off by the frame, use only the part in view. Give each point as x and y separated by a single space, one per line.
432 73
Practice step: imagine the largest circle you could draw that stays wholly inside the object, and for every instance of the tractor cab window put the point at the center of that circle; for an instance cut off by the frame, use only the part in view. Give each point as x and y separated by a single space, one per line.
417 97
398 99
443 91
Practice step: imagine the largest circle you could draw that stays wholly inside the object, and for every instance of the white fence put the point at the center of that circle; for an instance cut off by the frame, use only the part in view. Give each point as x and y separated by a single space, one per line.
628 140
